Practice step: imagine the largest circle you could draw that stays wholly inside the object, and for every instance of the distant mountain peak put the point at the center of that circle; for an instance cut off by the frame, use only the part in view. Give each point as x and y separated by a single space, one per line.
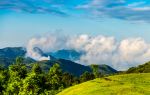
67 54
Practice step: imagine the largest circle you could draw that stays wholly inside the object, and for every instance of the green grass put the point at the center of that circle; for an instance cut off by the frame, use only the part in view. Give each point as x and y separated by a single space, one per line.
127 84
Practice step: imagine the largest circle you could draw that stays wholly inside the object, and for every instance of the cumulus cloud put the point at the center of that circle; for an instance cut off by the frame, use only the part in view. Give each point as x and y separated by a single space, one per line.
33 50
97 49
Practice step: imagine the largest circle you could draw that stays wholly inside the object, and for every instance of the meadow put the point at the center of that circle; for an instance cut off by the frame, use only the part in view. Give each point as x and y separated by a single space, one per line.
126 84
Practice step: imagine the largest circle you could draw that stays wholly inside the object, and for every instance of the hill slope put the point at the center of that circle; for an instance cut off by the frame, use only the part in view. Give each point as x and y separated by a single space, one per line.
144 68
8 55
74 68
66 66
12 52
128 84
105 69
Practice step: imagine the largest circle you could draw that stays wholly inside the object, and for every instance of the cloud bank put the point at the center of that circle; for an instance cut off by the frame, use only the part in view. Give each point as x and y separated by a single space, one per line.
98 49
34 51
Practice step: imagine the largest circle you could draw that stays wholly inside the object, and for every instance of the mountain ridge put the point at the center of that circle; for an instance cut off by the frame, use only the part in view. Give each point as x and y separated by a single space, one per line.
66 64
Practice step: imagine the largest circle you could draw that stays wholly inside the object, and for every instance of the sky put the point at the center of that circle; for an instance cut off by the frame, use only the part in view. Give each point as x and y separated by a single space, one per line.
20 20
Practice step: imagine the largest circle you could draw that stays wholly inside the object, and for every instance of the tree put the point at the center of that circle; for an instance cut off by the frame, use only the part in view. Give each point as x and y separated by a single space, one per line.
1 68
86 76
18 80
36 69
19 60
95 70
34 83
4 76
67 79
18 69
18 72
55 77
76 80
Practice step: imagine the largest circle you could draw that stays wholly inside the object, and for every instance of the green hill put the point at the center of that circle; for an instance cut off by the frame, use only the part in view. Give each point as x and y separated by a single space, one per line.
73 68
144 68
128 84
8 55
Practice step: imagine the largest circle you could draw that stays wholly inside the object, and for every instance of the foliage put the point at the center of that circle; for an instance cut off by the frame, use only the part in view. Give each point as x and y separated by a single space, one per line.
54 77
17 72
86 76
69 80
4 76
95 70
20 80
36 69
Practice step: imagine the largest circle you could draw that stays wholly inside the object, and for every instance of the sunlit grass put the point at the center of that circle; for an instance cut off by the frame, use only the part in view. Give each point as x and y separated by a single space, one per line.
128 84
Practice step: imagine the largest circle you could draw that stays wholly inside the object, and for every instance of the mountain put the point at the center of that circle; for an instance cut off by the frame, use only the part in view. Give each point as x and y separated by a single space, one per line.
144 68
66 54
72 67
126 84
8 56
12 52
105 69
66 66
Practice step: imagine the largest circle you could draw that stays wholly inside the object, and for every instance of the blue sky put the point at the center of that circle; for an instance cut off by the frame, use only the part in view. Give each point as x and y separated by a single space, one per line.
22 19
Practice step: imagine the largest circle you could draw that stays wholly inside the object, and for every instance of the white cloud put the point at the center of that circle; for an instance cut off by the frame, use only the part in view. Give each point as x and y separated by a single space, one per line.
119 9
98 49
33 6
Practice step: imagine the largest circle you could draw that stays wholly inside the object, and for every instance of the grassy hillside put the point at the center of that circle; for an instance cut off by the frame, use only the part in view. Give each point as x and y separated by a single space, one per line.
128 84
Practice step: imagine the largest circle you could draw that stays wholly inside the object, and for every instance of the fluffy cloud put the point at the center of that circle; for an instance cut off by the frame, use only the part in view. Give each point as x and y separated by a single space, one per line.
46 43
97 49
32 49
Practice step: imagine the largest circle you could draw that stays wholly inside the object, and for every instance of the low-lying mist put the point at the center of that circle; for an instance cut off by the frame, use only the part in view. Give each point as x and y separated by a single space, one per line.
98 49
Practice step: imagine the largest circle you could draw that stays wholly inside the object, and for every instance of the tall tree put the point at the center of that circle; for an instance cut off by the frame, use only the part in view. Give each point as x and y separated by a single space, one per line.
4 76
18 72
95 70
34 83
86 76
55 77
67 79
36 69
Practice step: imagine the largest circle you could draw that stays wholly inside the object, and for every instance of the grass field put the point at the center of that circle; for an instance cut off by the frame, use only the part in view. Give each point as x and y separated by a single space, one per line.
127 84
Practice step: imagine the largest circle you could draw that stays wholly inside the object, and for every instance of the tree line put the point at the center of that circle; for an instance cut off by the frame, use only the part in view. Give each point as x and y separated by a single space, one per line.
18 79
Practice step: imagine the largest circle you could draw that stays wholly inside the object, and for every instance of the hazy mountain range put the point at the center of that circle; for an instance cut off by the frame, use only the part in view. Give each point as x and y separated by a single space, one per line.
66 59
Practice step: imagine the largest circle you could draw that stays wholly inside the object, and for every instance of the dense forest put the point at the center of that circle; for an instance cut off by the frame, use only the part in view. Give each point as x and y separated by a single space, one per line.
18 79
